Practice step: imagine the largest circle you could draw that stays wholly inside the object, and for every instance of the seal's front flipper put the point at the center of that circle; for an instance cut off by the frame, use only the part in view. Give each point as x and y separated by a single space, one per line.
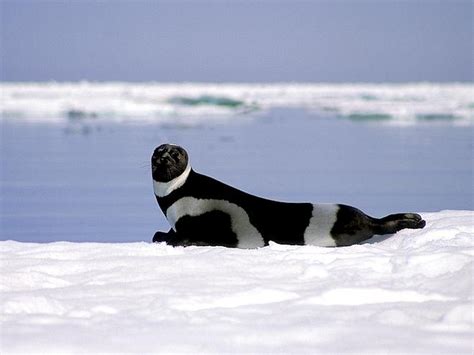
168 238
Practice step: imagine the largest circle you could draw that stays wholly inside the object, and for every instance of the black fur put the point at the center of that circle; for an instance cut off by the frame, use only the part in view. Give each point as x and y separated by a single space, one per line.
168 161
354 226
270 218
281 222
211 228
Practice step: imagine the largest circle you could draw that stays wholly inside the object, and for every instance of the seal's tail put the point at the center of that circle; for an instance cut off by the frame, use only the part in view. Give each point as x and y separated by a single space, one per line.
395 222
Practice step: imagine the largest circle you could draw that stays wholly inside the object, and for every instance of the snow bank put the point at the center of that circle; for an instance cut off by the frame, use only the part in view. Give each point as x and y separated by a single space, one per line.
192 103
409 293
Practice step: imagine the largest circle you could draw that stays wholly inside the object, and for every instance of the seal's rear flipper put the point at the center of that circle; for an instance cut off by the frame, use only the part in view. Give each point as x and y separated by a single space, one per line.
396 222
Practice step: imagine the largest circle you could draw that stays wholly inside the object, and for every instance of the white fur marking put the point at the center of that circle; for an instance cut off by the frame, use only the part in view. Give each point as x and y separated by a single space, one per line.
320 225
247 235
162 189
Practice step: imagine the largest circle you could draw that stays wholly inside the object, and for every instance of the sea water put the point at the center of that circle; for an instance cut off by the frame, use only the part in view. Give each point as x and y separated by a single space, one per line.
78 169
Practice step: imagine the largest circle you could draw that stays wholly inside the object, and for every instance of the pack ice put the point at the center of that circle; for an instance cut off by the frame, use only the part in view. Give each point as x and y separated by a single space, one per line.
409 293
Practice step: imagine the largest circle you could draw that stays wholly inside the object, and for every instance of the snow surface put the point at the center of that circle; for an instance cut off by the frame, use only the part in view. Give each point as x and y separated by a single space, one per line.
410 293
189 104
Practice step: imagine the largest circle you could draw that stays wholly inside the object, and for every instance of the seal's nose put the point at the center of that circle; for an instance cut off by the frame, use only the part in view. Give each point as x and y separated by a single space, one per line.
161 157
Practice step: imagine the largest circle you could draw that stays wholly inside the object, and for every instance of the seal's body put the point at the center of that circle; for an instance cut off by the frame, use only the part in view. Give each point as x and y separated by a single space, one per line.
204 211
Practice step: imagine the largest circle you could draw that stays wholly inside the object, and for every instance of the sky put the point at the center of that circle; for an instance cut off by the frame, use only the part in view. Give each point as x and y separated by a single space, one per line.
236 41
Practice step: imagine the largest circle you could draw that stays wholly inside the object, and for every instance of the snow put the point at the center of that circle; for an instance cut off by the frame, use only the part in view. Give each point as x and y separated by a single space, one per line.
71 173
408 293
190 104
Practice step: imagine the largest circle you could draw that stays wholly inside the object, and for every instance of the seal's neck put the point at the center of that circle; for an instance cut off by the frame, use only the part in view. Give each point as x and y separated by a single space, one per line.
163 189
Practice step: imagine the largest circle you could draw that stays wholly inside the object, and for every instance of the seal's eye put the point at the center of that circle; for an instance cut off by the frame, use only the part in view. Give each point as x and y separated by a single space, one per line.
175 155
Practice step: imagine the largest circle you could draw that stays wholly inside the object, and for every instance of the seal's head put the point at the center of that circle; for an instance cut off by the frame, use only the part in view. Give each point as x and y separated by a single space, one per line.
168 162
